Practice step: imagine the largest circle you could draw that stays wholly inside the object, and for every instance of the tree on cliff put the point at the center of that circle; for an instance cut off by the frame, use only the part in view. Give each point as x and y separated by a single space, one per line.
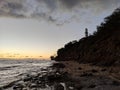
110 23
102 47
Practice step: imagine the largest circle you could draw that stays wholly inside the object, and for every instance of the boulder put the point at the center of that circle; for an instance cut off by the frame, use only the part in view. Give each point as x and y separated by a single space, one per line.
58 65
59 87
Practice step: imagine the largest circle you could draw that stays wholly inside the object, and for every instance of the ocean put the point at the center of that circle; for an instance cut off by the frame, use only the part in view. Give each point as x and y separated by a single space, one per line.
13 70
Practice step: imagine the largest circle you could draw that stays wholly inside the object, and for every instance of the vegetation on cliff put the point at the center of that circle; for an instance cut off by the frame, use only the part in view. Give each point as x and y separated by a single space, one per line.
101 48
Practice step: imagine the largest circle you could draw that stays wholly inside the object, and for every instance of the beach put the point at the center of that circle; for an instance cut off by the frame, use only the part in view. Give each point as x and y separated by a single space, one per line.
91 77
63 75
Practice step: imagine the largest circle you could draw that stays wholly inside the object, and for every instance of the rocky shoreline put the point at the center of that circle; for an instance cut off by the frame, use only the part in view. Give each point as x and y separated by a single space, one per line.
91 77
48 79
67 76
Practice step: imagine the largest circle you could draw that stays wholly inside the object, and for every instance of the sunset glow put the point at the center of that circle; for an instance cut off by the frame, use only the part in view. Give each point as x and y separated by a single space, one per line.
38 28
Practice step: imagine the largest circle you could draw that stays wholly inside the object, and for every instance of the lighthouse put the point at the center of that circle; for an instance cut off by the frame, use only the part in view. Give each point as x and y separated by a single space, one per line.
86 32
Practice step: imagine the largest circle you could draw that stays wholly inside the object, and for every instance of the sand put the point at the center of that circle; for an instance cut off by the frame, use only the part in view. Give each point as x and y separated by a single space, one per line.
91 77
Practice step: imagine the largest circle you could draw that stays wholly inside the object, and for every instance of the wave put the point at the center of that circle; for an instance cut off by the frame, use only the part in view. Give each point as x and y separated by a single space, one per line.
13 70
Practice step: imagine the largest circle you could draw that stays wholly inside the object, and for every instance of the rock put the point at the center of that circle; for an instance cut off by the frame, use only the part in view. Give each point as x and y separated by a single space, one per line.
27 79
58 65
33 85
71 88
59 87
42 85
86 74
54 77
103 70
79 68
42 78
94 71
38 82
24 89
34 79
79 87
26 83
1 88
34 89
18 87
43 69
51 78
116 83
92 86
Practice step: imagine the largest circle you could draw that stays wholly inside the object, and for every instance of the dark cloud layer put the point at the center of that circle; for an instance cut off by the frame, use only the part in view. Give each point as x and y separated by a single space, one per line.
53 10
70 3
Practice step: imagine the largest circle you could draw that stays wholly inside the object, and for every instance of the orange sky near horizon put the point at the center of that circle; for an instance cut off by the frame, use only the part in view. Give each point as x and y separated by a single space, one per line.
25 54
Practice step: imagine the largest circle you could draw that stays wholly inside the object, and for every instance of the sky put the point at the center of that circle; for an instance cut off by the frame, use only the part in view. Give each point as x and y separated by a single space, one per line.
38 28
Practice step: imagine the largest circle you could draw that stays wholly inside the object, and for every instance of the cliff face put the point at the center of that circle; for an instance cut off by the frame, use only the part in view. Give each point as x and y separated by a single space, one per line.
101 48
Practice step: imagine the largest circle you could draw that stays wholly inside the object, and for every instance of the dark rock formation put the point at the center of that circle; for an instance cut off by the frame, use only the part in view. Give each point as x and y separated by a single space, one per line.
58 65
59 87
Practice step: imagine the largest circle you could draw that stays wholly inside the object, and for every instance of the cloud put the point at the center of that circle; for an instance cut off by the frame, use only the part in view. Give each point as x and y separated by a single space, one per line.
58 11
70 3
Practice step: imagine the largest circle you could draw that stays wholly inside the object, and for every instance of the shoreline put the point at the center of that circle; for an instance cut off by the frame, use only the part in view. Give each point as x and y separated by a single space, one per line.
91 77
69 75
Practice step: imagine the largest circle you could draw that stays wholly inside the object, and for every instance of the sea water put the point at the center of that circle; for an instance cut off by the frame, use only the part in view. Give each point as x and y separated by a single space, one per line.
13 70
